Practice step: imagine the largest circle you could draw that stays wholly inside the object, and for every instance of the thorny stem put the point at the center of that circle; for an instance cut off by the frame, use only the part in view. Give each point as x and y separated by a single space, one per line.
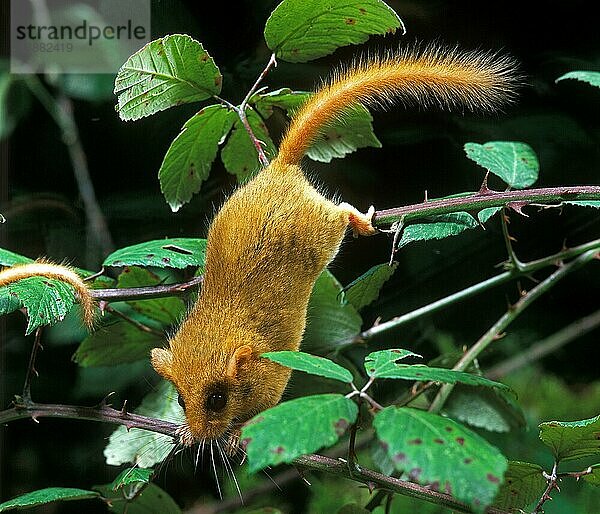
144 293
61 111
527 268
552 484
513 260
513 312
31 367
478 201
272 63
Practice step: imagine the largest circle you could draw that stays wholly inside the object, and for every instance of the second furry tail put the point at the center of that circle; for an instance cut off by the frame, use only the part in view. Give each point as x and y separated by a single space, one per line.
449 78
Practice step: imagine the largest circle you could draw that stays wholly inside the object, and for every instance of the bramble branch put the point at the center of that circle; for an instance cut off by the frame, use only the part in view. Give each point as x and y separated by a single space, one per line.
144 293
484 200
513 312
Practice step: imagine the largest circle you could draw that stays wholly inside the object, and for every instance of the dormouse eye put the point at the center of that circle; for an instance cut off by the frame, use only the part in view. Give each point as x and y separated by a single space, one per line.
180 401
216 402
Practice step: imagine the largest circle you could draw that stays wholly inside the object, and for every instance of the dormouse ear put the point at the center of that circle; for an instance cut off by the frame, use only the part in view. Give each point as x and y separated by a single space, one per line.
162 361
239 357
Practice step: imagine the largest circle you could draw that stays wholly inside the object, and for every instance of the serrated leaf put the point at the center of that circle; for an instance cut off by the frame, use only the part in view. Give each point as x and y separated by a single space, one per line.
168 71
47 301
383 362
365 289
8 258
164 310
490 408
440 227
585 203
284 432
572 439
485 214
189 159
330 319
310 364
140 447
239 154
45 496
437 451
116 343
590 77
383 365
302 30
152 500
354 130
284 98
523 484
132 476
179 253
514 162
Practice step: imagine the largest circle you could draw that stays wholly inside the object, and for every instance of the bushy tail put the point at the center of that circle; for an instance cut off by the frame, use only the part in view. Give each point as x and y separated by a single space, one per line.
448 78
43 268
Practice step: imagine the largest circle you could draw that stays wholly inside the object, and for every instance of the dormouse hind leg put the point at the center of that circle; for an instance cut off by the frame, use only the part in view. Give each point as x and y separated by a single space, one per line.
359 223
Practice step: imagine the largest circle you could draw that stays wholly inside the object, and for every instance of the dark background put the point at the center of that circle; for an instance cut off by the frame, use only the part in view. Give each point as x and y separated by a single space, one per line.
421 151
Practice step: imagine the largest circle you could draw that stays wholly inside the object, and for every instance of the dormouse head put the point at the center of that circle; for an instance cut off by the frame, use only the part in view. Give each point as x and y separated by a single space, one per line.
217 389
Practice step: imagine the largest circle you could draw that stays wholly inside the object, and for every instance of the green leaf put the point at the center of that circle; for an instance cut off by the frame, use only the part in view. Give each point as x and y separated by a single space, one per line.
310 364
47 301
283 98
152 500
284 432
383 362
8 258
523 484
132 476
514 162
239 153
354 130
365 289
302 30
189 159
437 451
169 71
116 343
15 100
594 477
591 77
572 439
440 227
591 203
166 311
383 365
485 214
48 495
140 447
177 253
330 319
492 409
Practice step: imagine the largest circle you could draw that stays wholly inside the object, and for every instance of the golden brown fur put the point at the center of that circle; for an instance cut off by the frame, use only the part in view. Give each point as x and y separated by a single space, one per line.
276 234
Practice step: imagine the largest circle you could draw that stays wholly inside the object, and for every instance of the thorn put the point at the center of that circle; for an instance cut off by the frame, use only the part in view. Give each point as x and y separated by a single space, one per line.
104 401
124 409
102 304
34 418
377 321
426 199
518 207
302 476
484 189
372 486
35 372
499 336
